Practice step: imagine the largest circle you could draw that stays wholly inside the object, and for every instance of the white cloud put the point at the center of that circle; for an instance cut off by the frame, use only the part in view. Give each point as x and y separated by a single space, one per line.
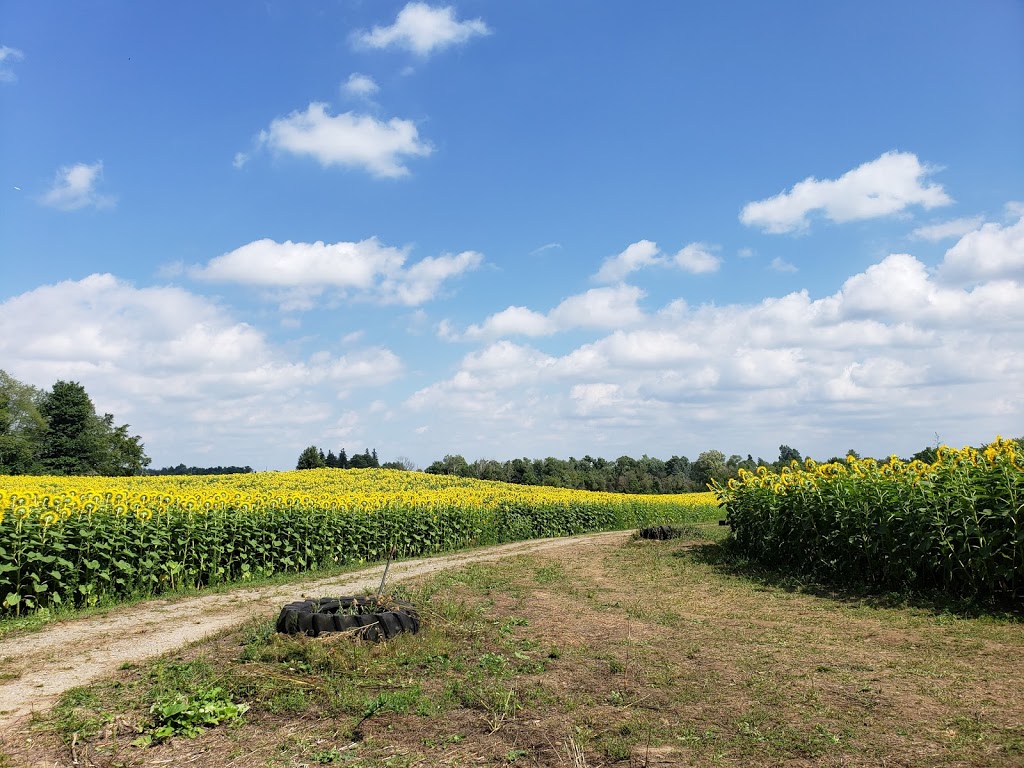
697 259
179 368
781 265
74 187
946 229
881 187
241 159
423 29
365 269
546 247
989 252
422 281
348 139
896 345
597 308
642 253
8 56
360 85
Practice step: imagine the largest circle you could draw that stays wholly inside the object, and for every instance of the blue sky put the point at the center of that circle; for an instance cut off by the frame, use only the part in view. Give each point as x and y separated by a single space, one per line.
520 228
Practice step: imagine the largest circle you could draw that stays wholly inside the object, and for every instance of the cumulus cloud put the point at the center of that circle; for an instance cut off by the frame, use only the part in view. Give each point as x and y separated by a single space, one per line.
881 187
698 259
349 140
695 258
75 186
366 269
178 367
781 265
989 252
597 308
897 344
423 29
7 57
643 253
360 85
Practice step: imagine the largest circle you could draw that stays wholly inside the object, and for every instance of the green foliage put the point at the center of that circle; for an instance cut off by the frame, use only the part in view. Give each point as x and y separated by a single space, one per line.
21 427
956 525
85 558
189 715
311 458
59 433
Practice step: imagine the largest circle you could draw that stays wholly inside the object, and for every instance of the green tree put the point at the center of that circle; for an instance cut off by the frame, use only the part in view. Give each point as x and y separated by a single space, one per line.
22 427
787 455
311 458
74 439
451 465
709 466
125 454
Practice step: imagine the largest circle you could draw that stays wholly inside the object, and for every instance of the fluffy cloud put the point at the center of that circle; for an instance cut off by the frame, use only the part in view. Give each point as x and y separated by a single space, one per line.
178 367
348 139
367 269
881 187
7 57
896 345
697 259
423 29
360 85
987 253
74 187
643 253
597 308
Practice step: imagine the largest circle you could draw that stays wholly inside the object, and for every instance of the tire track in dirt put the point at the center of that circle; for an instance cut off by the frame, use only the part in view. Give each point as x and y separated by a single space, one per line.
36 668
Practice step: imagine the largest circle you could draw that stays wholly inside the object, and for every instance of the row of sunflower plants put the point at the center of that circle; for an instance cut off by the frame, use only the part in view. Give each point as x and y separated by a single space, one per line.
82 541
956 525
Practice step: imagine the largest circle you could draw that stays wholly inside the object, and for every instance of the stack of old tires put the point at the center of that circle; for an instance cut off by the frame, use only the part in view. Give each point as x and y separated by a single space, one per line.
368 617
662 532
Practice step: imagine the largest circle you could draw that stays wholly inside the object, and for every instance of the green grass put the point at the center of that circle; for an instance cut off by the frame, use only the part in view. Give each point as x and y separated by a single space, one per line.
648 652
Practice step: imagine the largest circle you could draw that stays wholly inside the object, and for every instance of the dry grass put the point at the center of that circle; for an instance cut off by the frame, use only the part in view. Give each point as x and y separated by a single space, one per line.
644 654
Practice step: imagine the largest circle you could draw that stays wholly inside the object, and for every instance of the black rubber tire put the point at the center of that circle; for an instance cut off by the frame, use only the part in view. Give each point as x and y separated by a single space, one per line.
661 532
374 620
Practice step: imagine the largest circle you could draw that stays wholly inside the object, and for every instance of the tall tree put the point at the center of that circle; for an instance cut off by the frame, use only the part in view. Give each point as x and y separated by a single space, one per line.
310 458
22 427
125 455
787 455
74 436
709 466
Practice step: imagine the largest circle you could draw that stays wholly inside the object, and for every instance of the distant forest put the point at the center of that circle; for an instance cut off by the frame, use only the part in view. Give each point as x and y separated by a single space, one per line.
623 475
181 469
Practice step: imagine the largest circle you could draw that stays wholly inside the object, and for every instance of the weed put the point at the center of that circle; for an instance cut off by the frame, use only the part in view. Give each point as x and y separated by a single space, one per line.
189 715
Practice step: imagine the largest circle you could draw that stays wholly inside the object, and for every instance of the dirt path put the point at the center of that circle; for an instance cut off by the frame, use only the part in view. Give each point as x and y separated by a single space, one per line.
36 668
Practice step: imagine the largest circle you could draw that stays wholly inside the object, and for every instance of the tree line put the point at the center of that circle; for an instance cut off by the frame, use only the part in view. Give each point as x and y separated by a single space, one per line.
623 475
58 432
181 469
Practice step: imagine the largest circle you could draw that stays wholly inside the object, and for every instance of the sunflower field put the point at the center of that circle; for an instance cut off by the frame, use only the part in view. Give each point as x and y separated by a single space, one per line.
82 540
955 525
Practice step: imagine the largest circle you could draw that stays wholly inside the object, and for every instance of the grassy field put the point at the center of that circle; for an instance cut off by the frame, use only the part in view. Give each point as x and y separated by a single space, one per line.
641 653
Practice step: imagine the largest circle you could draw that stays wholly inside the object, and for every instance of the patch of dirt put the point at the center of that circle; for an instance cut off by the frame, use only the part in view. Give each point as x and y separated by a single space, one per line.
36 668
